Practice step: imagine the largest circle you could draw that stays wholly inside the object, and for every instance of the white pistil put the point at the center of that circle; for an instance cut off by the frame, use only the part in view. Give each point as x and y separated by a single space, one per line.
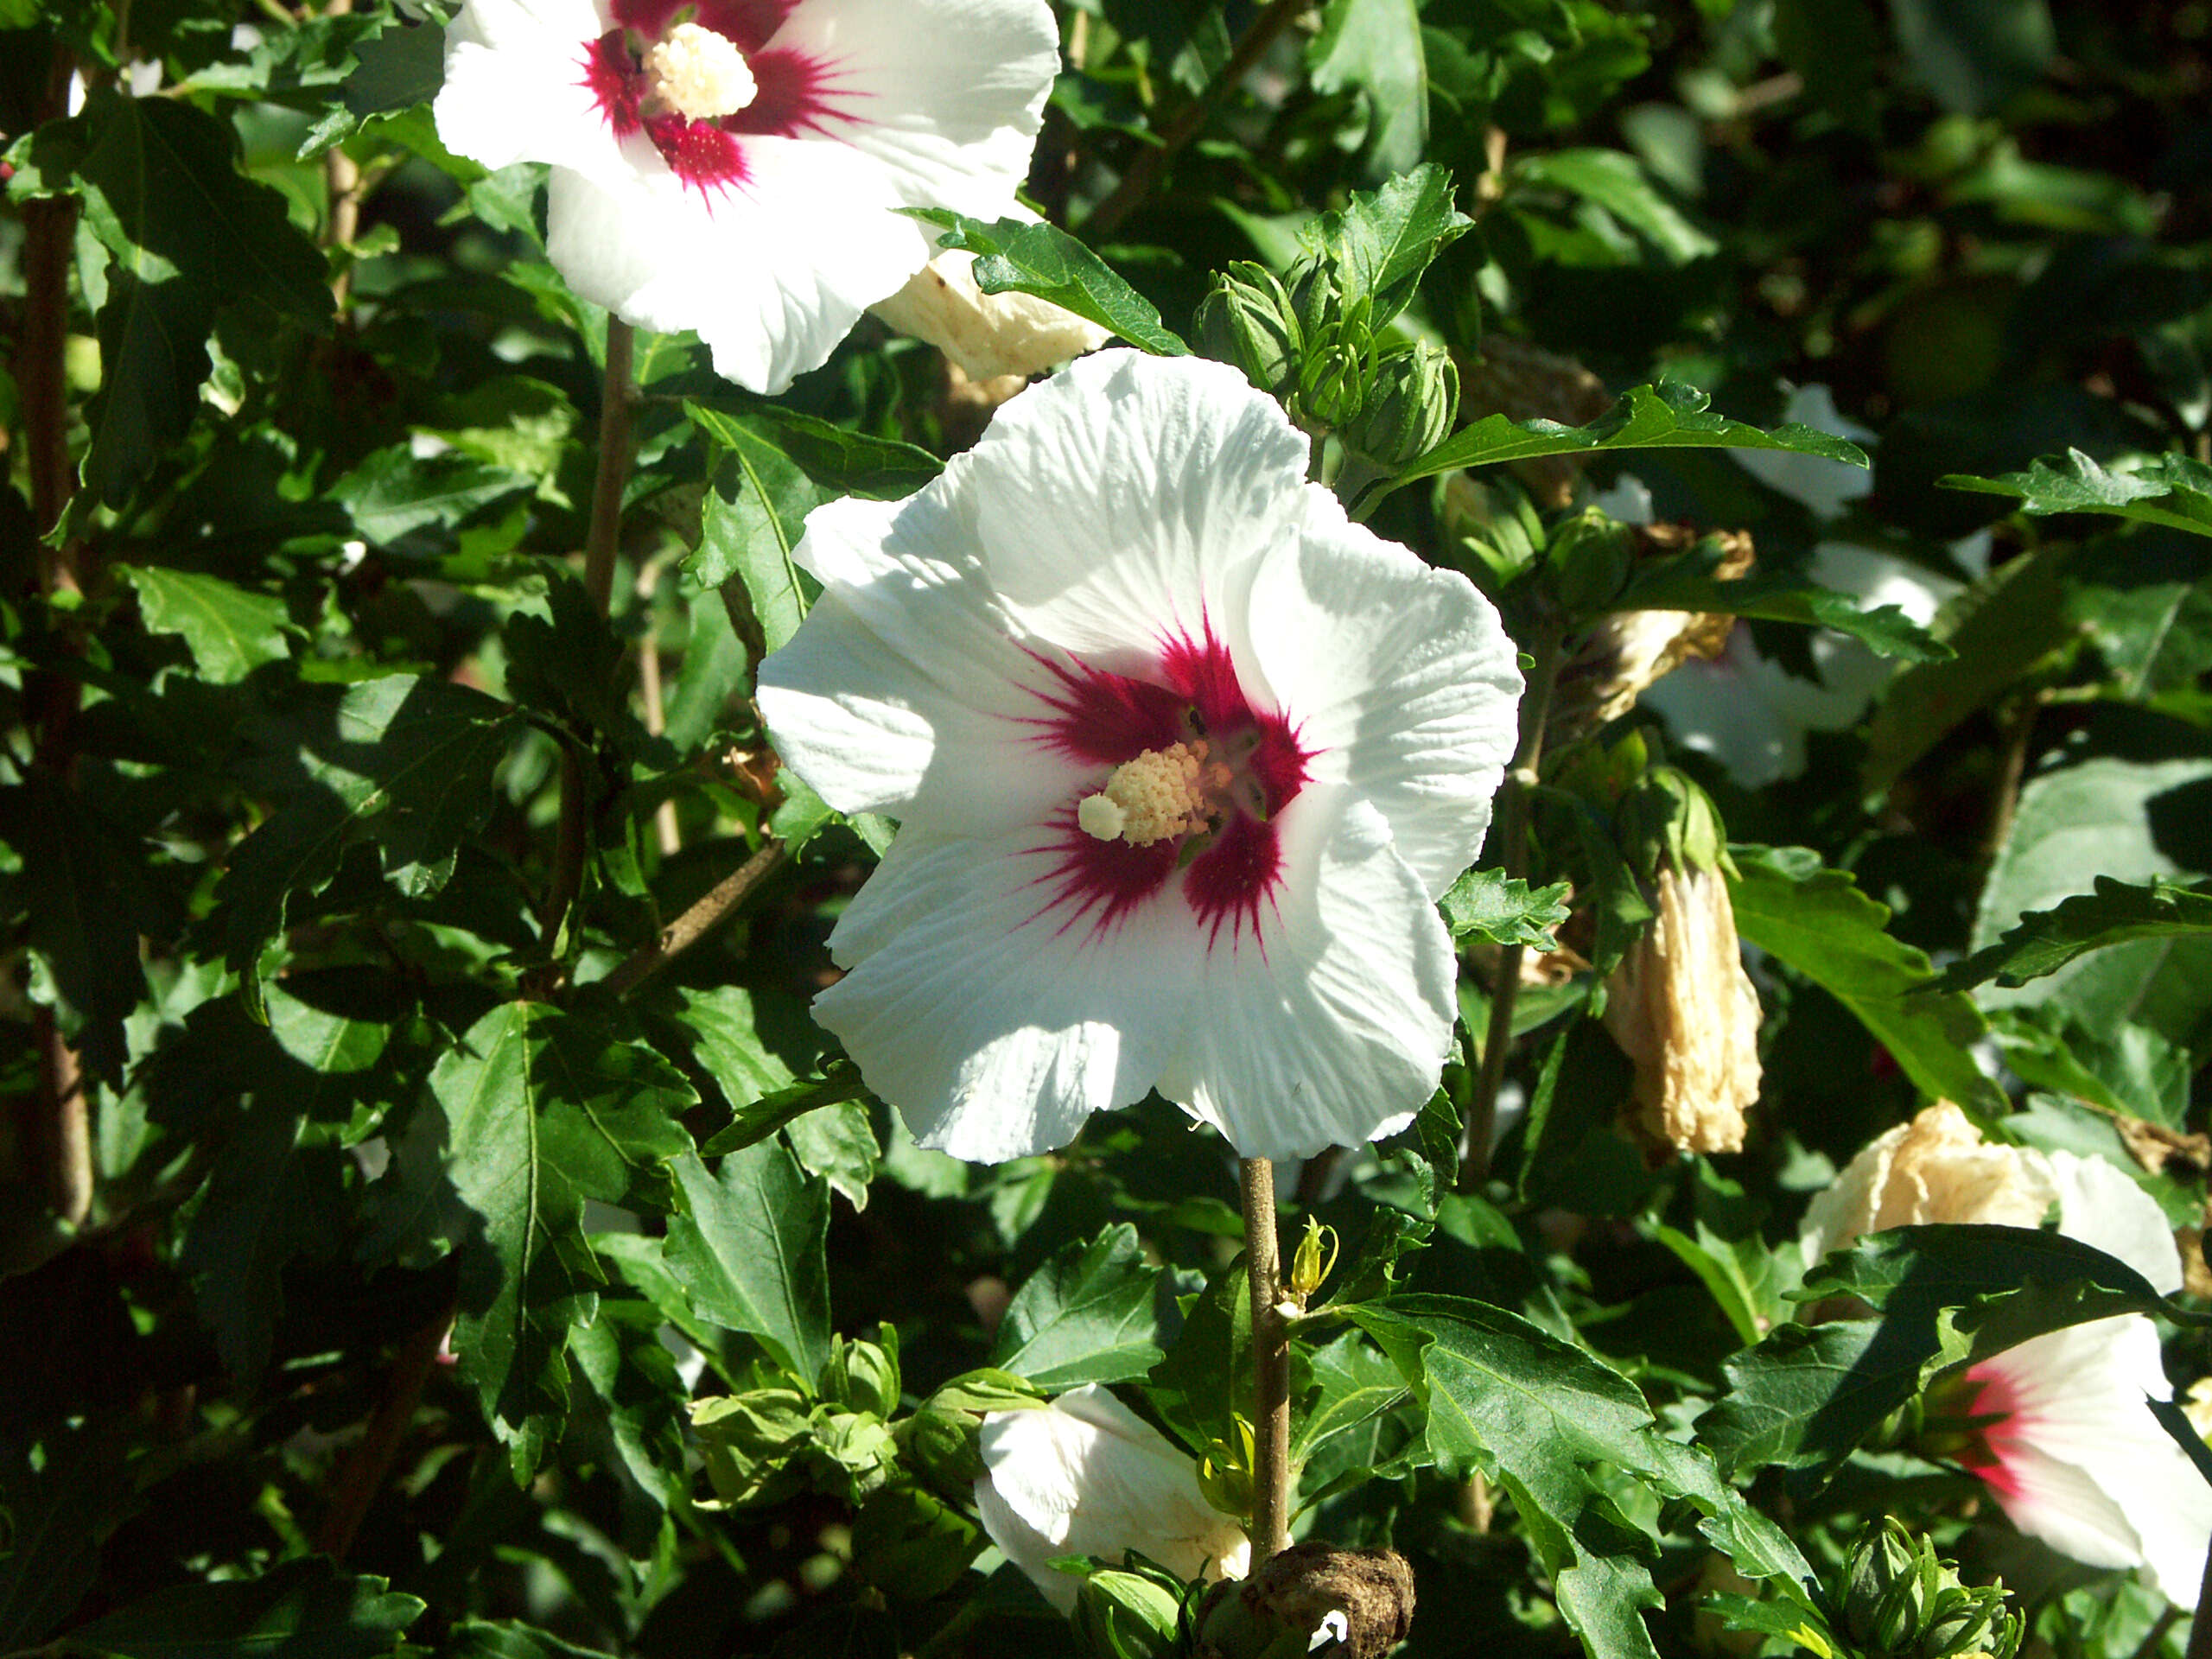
699 73
1161 794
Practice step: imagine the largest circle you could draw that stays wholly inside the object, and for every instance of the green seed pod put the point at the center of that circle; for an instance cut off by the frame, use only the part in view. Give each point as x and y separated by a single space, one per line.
1408 408
1247 320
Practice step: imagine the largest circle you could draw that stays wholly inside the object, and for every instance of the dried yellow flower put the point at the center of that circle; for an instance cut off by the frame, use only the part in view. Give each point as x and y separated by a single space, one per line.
1681 1006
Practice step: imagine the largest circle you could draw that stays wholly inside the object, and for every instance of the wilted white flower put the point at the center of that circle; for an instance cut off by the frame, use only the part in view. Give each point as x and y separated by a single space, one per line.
2070 1453
987 334
736 167
1182 758
1086 1476
1682 1009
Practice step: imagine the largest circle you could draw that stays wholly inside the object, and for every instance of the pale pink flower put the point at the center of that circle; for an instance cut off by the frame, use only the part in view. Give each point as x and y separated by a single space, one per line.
1183 759
736 167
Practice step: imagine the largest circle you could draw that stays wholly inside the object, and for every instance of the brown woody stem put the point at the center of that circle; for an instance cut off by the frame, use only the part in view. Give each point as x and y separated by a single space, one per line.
695 924
1270 1364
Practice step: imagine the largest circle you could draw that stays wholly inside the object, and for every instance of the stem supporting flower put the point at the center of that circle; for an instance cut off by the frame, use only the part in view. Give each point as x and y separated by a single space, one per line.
1270 1364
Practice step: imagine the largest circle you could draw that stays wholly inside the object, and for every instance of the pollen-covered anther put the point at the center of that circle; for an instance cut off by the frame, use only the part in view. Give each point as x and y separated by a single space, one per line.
699 73
1162 794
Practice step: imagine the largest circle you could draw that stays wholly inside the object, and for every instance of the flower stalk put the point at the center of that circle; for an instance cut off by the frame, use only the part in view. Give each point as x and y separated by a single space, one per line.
1270 1364
617 413
1513 854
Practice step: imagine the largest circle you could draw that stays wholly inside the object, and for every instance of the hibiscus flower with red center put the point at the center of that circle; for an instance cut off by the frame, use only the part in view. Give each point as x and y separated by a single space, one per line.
1182 760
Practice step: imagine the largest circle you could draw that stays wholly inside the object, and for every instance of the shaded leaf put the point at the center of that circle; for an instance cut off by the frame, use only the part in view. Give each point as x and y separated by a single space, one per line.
229 630
1817 921
1686 583
1086 1315
1044 260
1616 181
303 1610
1374 46
746 1245
543 1109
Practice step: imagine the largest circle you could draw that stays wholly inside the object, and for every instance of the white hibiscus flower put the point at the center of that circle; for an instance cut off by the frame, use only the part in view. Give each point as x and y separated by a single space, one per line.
1183 759
2069 1450
1086 1475
735 167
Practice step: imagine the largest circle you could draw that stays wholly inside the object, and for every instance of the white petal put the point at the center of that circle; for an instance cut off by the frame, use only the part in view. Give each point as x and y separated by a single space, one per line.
946 94
2099 1205
2080 1416
1721 709
995 1024
772 273
987 334
903 693
1399 676
1336 1031
1134 504
1086 1476
514 87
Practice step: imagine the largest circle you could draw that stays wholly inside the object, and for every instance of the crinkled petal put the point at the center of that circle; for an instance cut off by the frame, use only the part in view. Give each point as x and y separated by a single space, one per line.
1331 1028
515 91
995 1021
1133 505
947 95
904 693
1398 678
987 334
772 272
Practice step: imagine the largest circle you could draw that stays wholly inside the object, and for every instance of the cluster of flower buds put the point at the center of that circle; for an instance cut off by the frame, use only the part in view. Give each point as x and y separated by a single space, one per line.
1134 1611
1899 1601
767 1443
1319 355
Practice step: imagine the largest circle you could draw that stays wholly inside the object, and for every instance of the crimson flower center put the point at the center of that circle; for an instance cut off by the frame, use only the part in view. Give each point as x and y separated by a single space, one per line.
1189 788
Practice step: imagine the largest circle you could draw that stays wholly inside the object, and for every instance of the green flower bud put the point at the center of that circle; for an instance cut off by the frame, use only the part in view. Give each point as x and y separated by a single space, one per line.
1590 556
939 1441
862 1376
1310 1264
1333 380
1409 406
1900 1601
1247 320
1126 1613
1225 1472
1313 299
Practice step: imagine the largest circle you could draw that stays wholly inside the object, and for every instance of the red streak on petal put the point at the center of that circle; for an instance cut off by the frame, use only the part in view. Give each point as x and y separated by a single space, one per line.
1109 718
1985 1456
614 81
1227 884
698 152
798 94
1100 881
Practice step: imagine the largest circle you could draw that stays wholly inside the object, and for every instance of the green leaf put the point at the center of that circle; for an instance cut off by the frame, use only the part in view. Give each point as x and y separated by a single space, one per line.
153 356
2131 821
746 1245
308 1609
56 1513
1374 46
543 1109
1383 240
753 516
1686 583
841 460
1614 180
761 1117
265 1206
1949 1296
2175 491
1012 256
394 493
1665 416
229 630
2044 941
1815 920
2004 626
1505 910
478 1639
1087 1315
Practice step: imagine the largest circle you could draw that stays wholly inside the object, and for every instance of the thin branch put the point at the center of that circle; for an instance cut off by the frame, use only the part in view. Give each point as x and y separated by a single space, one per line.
666 831
1270 1364
1144 172
368 1465
617 409
695 924
1513 855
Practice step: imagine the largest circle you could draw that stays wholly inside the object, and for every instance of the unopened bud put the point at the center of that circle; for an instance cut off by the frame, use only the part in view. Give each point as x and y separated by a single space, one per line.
1900 1601
1409 406
863 1377
1312 1262
1333 380
1225 1472
1247 320
1126 1613
938 1440
1590 556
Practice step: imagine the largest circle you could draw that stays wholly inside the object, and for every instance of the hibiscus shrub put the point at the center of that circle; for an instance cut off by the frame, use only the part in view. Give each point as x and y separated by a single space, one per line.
708 956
